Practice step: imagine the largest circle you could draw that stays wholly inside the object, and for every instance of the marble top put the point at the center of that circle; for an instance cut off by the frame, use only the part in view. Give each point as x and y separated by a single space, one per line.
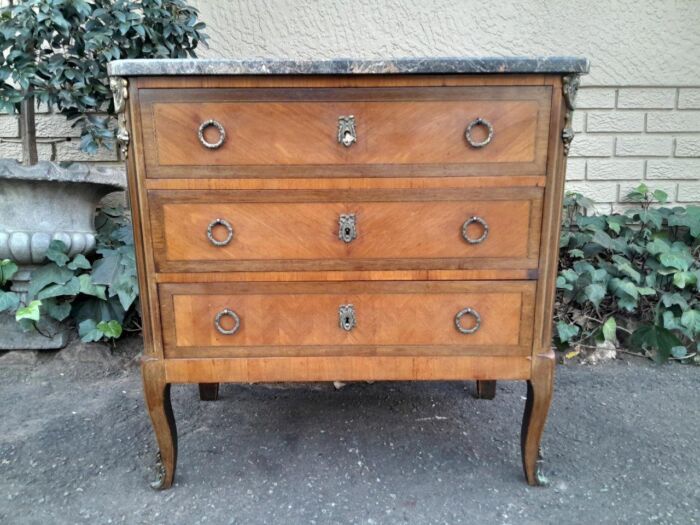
344 66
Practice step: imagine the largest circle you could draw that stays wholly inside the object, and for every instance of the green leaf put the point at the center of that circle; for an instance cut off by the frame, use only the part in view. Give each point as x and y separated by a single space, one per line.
624 286
72 287
658 246
583 267
88 331
688 217
638 193
27 325
105 270
655 338
650 279
57 310
625 267
600 275
88 288
127 291
79 262
564 239
642 188
603 239
627 303
570 275
57 252
671 299
110 329
31 312
8 301
645 290
679 352
653 217
671 322
595 293
615 222
691 320
7 270
681 279
561 283
675 260
660 196
94 308
610 330
567 331
48 274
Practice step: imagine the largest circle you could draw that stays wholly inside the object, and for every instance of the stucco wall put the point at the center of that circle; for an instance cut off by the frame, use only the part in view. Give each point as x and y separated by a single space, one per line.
639 115
630 42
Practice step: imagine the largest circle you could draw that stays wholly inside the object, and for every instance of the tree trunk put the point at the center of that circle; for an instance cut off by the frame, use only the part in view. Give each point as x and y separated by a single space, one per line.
27 127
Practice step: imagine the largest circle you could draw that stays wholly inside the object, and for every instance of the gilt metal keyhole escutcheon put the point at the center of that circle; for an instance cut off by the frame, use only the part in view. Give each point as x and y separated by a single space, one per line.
346 314
347 227
347 135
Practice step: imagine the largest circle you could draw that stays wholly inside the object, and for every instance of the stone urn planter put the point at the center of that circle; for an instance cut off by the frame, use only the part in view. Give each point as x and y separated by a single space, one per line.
38 204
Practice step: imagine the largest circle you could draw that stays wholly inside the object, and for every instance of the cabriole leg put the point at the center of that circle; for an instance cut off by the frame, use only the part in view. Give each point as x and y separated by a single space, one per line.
157 394
539 397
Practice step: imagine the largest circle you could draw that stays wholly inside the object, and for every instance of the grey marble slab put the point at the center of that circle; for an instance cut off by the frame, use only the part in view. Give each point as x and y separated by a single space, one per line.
343 66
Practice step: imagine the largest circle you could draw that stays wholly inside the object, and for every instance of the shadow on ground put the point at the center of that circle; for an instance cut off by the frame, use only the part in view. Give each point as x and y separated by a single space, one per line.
76 447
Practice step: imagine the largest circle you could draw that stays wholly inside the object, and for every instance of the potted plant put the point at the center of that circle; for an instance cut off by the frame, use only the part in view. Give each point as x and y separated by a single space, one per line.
56 53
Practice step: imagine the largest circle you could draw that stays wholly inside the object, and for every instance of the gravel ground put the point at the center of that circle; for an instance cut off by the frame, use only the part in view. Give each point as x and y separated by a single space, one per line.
76 446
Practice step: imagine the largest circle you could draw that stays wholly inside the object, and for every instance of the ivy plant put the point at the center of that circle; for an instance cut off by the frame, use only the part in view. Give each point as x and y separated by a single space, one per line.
631 277
56 52
100 294
8 300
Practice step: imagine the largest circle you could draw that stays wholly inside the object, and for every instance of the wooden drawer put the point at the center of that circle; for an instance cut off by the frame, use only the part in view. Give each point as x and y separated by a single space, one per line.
294 132
391 318
301 230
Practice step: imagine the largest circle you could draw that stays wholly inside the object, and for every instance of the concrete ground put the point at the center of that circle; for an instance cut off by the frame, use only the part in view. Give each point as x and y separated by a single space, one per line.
76 446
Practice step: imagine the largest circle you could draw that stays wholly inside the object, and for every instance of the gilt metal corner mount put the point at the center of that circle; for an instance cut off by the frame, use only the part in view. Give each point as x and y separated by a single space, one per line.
120 92
570 84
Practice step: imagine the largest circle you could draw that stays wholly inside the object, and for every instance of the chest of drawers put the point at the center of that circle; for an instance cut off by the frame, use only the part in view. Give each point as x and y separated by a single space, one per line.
322 221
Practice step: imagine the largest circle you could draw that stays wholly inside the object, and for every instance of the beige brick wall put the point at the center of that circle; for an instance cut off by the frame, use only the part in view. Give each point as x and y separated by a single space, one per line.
629 135
57 140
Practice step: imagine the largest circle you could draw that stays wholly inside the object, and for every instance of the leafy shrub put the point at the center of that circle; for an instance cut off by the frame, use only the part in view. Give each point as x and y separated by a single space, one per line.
56 52
99 293
634 275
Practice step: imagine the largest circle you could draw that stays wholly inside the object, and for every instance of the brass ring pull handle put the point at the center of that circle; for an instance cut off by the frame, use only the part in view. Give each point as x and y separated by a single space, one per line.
229 232
347 227
347 135
469 222
479 122
462 313
222 134
227 313
347 317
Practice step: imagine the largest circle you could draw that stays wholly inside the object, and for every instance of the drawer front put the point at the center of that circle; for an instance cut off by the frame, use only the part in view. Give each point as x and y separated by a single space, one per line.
266 130
373 318
352 230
